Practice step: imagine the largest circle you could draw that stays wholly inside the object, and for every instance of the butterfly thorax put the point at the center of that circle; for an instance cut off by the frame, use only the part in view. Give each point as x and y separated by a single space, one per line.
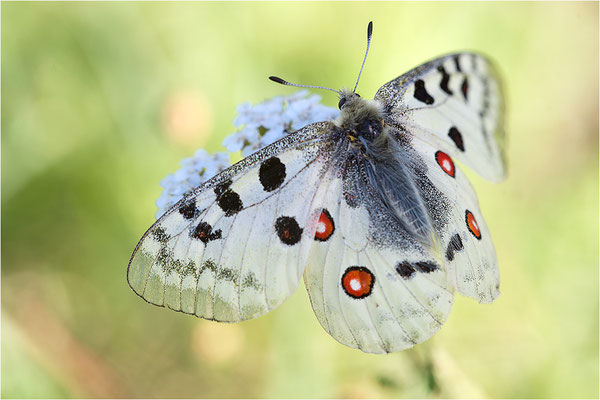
384 175
361 120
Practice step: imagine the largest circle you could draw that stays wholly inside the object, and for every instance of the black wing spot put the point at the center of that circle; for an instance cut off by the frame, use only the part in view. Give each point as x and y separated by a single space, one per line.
407 270
271 174
204 232
426 266
189 210
222 187
445 80
456 137
464 88
230 202
288 230
455 245
457 63
421 93
227 199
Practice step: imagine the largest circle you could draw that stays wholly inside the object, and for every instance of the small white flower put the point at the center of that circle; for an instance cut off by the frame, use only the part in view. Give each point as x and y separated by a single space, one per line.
256 127
194 171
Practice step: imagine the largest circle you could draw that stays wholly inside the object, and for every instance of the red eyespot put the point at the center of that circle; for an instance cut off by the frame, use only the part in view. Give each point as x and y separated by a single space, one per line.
325 226
445 162
472 224
358 282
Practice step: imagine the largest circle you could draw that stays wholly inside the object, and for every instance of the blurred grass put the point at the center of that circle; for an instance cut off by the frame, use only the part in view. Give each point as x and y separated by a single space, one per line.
101 100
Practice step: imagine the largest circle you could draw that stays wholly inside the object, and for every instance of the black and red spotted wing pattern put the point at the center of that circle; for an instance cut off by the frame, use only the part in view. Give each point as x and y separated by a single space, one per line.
236 247
464 241
373 285
455 103
367 295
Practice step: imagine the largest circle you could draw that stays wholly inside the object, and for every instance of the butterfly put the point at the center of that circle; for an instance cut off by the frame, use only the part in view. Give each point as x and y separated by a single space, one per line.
370 209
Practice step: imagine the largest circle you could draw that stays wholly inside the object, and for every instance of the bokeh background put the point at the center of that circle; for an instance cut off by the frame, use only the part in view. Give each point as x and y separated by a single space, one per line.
100 101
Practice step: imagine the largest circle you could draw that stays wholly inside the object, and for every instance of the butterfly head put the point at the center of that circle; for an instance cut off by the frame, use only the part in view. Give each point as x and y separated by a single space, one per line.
359 118
347 97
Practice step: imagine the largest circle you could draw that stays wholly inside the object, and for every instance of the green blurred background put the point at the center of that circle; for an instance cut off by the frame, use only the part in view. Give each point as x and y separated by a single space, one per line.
101 100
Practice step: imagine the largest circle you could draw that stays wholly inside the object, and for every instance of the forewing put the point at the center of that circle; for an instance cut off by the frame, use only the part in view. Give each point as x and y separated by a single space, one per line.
456 103
368 295
236 247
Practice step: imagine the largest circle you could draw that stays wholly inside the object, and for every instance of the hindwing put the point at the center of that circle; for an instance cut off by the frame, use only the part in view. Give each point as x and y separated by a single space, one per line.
374 296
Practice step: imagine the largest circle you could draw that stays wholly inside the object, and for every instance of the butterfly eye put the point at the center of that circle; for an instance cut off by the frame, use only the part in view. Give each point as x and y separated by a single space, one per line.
342 102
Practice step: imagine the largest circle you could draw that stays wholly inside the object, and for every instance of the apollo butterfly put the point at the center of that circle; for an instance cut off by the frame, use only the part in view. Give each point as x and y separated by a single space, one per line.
370 208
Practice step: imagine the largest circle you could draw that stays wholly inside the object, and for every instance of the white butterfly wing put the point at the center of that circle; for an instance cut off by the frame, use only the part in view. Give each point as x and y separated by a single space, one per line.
464 240
455 102
236 247
369 296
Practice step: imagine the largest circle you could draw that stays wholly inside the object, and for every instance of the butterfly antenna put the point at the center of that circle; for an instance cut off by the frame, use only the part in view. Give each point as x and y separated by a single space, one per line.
284 82
369 34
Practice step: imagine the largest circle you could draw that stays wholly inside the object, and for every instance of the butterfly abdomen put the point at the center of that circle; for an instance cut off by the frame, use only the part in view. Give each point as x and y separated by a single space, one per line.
390 174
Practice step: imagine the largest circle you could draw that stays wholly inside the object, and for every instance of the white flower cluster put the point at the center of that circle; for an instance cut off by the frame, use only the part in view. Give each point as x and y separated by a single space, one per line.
194 170
256 127
262 124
